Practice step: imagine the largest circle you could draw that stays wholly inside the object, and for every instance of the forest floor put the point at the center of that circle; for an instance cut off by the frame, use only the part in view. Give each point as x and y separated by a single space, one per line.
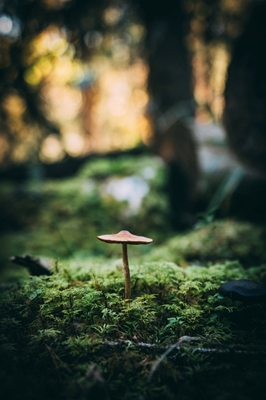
71 334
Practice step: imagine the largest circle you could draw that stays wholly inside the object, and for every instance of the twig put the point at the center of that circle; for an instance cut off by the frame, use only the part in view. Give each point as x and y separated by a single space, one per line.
56 358
153 345
169 350
130 343
178 346
98 384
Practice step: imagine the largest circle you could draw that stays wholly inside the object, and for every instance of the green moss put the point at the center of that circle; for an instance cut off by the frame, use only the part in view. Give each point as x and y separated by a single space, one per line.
217 241
62 218
73 332
72 336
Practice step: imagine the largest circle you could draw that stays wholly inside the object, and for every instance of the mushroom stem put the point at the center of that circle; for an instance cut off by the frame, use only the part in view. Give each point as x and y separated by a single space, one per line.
126 271
125 238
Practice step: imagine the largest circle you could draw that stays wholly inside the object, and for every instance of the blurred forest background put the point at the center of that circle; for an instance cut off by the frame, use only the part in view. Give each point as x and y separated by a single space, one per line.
91 76
94 80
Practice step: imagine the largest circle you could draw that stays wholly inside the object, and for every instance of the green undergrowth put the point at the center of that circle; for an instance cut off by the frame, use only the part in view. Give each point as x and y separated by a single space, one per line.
72 336
218 241
60 218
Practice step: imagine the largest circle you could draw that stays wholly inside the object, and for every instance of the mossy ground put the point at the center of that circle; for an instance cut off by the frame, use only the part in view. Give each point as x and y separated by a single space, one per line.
60 219
72 336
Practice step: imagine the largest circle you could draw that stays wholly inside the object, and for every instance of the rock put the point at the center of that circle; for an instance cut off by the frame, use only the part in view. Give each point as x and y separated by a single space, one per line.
244 290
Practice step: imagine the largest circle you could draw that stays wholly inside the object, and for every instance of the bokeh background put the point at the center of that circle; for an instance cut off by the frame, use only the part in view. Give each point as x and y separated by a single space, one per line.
111 117
74 74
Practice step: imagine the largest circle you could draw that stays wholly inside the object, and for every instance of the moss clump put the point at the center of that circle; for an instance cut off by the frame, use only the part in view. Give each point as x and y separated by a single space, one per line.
72 335
217 241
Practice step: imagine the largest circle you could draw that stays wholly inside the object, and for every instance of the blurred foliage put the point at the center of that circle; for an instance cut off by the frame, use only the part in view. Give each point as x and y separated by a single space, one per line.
62 218
217 241
45 41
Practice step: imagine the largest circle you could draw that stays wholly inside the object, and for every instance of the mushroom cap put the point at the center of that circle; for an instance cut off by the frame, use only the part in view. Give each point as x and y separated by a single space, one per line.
124 237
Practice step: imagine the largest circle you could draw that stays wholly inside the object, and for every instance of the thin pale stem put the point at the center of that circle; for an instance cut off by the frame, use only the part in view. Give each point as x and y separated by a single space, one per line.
126 271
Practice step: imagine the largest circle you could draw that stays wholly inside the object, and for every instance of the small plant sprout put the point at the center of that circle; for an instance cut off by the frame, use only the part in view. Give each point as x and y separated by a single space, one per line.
125 238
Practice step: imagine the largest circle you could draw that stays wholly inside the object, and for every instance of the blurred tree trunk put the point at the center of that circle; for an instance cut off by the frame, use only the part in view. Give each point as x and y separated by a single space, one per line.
245 94
170 79
172 104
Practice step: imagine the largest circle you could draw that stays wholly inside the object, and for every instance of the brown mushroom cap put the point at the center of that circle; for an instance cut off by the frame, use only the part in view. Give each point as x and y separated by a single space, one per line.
124 237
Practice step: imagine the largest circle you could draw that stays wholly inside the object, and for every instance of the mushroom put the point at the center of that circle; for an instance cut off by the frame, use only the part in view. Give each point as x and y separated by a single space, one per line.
125 238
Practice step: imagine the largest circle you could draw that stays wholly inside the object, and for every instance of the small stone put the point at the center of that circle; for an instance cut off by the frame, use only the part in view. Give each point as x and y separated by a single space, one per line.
244 290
